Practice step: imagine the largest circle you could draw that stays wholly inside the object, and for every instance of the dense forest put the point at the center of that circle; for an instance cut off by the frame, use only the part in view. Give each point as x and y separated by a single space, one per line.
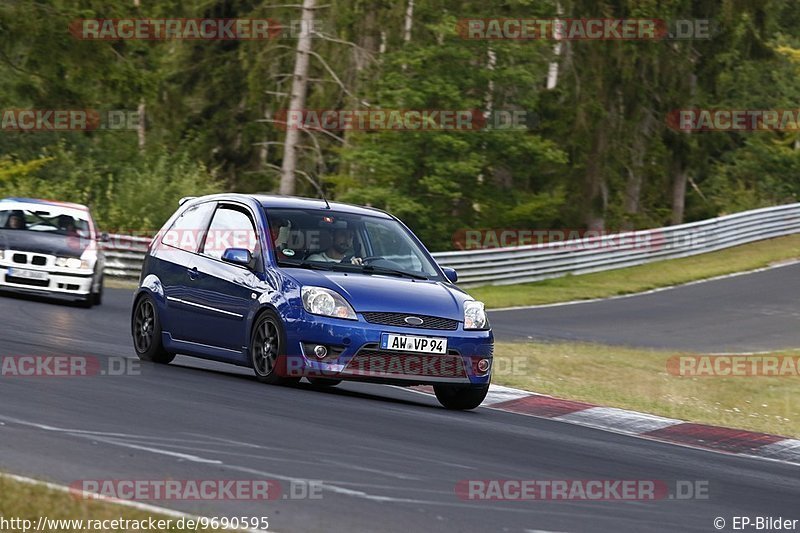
598 149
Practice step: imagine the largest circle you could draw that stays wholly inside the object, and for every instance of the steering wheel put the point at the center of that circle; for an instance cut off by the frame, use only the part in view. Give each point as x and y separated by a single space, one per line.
364 261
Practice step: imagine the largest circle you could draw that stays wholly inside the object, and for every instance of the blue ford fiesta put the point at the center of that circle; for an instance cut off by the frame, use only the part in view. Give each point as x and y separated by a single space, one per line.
296 287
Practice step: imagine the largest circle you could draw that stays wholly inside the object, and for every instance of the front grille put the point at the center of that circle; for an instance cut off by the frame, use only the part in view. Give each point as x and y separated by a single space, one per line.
398 319
374 362
24 259
31 282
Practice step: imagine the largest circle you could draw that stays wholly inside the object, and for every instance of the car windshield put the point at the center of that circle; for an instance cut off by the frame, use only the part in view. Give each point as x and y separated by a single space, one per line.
334 240
47 219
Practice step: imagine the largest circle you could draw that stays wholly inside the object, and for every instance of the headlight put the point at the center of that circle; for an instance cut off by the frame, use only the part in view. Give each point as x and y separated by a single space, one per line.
321 301
73 262
69 262
474 315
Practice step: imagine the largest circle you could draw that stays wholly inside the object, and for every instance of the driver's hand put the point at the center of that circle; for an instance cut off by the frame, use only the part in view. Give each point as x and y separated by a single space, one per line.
357 261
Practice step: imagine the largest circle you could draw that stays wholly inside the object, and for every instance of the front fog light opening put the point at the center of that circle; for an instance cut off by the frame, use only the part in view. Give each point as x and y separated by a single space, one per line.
320 351
484 365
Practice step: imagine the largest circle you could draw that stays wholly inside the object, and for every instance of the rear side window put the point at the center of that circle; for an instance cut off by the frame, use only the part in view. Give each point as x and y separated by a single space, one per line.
231 227
188 230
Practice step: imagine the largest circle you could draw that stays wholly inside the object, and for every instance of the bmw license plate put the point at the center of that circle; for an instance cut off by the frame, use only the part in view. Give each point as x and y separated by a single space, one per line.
27 274
413 343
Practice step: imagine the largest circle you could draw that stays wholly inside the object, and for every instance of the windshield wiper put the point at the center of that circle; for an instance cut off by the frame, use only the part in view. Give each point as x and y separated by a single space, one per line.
384 270
306 264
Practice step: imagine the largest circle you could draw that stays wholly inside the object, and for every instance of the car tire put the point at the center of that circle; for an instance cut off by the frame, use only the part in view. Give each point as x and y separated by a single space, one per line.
146 331
460 397
97 298
324 382
267 350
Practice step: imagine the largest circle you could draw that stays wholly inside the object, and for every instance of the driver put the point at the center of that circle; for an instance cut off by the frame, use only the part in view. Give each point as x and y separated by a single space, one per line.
15 221
342 242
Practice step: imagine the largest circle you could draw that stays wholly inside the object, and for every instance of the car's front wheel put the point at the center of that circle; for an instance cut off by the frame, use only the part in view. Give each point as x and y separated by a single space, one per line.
146 330
460 397
267 355
97 297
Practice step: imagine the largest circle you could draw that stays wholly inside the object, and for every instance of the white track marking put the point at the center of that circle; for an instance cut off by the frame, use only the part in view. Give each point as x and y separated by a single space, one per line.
619 420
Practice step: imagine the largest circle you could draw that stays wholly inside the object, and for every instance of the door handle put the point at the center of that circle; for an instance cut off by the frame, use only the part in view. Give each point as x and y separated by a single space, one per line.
193 273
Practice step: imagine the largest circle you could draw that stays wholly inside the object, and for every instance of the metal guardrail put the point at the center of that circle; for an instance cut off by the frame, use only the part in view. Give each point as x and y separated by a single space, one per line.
504 266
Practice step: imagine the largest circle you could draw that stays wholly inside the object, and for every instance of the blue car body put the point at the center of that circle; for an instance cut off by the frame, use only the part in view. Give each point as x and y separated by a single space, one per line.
206 306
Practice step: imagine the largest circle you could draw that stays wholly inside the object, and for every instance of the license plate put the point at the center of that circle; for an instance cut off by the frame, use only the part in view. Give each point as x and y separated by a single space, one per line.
412 343
27 274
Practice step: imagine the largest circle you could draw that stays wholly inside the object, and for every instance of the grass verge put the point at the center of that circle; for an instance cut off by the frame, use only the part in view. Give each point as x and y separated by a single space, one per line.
27 501
637 379
641 278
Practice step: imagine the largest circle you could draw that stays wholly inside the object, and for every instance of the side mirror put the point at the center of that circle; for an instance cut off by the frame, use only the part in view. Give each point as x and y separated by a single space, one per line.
104 237
450 273
238 256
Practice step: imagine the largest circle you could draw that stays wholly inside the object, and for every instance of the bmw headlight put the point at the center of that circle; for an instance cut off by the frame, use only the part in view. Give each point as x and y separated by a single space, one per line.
85 262
70 262
475 315
322 301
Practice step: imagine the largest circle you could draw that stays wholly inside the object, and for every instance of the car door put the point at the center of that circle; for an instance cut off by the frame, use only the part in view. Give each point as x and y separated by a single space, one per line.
175 264
223 293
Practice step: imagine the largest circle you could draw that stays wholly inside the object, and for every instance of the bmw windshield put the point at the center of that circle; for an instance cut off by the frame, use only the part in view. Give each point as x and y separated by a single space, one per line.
47 219
350 242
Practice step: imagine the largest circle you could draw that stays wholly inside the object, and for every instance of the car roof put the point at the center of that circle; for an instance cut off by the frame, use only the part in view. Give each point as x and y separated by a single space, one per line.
296 202
39 201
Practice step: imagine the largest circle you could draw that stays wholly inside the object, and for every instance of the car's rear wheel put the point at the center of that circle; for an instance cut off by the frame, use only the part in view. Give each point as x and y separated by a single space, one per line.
460 397
324 382
267 347
146 330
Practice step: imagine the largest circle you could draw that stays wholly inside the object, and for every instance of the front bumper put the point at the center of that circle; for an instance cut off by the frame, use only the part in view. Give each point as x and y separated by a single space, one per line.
356 353
59 284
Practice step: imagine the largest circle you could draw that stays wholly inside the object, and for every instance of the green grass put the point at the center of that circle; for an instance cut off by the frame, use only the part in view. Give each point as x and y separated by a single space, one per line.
637 379
641 278
29 501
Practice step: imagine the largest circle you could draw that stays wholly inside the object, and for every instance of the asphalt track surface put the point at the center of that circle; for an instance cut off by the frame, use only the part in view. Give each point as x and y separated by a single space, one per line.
751 312
389 458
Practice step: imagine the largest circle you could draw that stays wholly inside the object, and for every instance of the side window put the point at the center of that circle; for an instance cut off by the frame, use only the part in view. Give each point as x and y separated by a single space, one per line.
231 227
189 228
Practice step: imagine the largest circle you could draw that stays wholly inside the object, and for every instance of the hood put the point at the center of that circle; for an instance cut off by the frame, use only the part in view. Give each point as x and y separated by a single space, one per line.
43 243
375 292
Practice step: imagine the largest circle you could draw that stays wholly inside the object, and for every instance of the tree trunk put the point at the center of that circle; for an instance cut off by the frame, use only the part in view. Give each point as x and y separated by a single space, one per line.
141 131
297 99
633 185
596 195
679 178
408 23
